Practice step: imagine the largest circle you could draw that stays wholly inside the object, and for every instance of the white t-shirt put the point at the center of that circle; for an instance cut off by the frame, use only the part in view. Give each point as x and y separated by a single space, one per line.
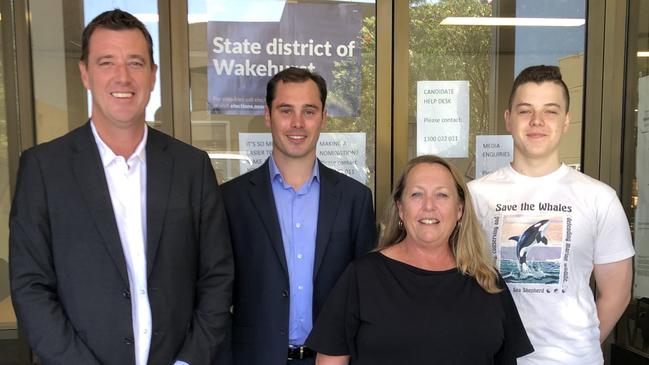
546 234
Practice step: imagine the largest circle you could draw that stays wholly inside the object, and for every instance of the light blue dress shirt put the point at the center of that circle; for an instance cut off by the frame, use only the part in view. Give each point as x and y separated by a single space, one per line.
298 218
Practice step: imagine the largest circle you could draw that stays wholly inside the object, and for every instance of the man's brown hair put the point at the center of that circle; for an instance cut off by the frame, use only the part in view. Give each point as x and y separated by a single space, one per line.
114 20
540 74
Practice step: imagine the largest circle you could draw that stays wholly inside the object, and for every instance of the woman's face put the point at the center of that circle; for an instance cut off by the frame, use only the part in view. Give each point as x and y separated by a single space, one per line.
430 205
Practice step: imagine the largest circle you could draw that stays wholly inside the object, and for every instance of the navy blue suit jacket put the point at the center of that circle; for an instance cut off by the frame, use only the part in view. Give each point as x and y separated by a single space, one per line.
69 280
346 229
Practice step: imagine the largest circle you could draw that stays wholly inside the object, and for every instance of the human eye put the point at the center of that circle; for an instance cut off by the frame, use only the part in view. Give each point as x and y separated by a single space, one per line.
442 195
415 194
105 63
136 64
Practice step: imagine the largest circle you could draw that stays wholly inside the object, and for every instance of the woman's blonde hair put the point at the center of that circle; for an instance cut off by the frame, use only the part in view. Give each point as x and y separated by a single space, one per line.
467 242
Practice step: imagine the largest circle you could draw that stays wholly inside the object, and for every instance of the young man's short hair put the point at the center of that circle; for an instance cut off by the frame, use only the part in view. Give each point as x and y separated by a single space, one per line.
295 74
539 74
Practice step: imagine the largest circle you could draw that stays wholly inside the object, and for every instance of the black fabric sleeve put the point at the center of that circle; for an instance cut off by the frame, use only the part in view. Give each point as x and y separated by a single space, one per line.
33 276
516 343
215 278
335 329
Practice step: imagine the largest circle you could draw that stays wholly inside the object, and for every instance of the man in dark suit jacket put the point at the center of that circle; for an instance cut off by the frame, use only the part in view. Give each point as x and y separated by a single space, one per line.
295 226
119 245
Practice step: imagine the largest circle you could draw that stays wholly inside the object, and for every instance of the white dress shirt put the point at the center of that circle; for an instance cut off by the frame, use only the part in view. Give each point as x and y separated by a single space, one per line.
127 186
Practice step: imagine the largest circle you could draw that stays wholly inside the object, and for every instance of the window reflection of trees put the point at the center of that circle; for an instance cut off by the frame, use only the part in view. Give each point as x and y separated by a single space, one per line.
349 83
443 52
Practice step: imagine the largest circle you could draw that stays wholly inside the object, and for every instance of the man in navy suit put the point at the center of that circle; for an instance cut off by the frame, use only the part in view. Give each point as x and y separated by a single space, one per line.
119 245
295 226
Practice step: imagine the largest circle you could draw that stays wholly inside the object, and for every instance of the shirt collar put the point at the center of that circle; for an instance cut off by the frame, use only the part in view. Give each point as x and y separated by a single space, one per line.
276 175
108 156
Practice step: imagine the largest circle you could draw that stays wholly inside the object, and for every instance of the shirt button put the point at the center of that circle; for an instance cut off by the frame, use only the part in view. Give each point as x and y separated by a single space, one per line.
299 255
128 340
298 225
145 331
126 294
142 291
285 293
300 287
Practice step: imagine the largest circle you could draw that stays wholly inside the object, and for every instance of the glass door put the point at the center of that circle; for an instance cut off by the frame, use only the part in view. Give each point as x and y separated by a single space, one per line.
632 346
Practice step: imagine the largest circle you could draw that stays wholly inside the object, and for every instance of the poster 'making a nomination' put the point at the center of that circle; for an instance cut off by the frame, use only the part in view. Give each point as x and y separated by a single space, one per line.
243 55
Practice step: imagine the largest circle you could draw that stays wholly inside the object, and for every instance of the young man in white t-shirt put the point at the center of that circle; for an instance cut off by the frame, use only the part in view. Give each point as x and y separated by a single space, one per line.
550 226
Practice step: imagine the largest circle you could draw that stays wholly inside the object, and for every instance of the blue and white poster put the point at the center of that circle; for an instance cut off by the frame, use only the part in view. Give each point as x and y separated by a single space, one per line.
492 152
243 55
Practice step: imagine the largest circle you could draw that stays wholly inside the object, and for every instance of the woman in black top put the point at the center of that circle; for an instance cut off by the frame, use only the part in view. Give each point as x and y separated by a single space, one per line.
430 294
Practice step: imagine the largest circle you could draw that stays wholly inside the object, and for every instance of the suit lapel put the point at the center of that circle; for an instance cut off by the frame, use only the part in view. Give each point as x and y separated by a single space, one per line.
159 167
261 196
327 210
89 172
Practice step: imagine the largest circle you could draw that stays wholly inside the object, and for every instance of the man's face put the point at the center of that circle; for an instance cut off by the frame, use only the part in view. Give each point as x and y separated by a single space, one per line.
295 119
120 76
537 119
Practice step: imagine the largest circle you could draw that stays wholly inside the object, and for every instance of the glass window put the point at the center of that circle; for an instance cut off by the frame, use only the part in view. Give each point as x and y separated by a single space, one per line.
236 46
61 102
463 58
7 316
633 328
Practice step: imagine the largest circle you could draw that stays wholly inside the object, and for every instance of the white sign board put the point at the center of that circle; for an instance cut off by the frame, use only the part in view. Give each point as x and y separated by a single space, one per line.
641 282
443 118
343 152
492 153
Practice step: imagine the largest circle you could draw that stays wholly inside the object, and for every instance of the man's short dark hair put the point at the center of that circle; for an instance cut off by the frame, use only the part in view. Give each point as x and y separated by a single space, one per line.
539 74
295 74
114 20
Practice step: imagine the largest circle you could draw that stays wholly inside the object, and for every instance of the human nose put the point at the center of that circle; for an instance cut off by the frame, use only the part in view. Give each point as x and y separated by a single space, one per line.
536 119
122 73
297 120
429 203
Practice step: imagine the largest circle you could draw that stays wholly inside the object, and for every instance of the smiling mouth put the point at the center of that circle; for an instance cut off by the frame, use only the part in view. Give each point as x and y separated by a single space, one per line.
429 221
296 138
536 135
122 95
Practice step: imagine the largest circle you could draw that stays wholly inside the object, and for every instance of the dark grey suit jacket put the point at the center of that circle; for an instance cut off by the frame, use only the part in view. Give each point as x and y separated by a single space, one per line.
346 229
69 281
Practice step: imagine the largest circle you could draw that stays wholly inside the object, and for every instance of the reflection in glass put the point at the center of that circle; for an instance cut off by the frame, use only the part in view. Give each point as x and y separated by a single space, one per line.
221 121
633 327
7 316
444 47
